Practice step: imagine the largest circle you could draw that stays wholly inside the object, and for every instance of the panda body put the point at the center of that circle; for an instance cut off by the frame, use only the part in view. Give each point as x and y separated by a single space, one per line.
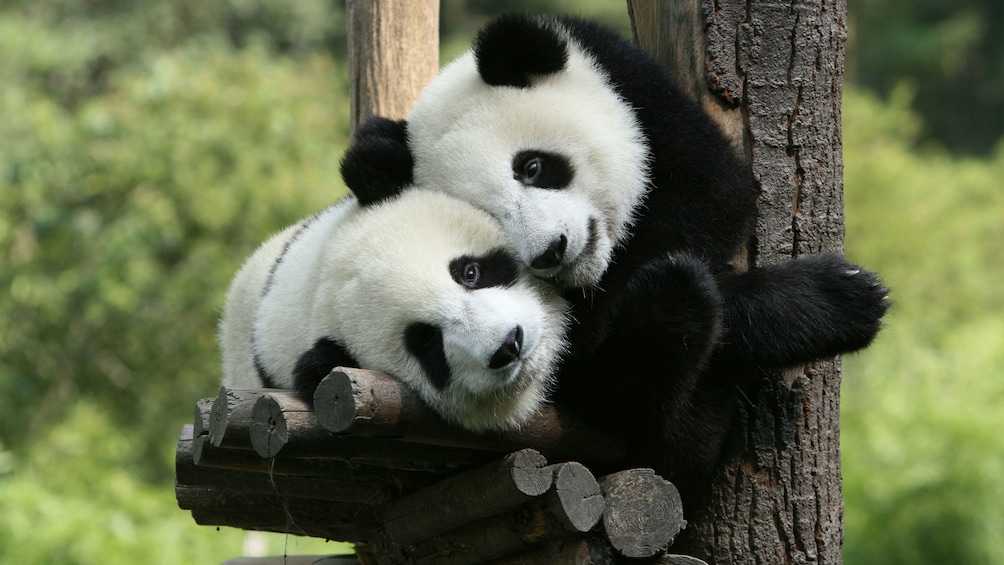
621 189
422 287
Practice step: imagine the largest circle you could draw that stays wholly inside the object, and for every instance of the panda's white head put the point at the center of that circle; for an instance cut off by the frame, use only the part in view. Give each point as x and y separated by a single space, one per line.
527 126
425 287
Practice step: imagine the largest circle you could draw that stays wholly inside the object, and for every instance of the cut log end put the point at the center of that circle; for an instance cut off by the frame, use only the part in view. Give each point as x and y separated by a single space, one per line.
643 512
268 427
335 402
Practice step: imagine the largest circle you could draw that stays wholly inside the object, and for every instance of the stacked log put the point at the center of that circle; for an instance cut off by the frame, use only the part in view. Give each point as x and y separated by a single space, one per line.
370 464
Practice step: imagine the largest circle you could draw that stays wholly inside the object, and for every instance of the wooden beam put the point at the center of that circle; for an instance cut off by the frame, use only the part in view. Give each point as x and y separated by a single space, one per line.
393 54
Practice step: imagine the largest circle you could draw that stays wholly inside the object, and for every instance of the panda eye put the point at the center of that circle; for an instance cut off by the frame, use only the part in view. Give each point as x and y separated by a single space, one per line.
470 275
541 169
495 268
532 169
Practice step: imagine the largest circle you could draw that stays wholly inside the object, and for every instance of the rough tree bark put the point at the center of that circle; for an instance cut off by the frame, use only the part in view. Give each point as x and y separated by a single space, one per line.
393 54
771 74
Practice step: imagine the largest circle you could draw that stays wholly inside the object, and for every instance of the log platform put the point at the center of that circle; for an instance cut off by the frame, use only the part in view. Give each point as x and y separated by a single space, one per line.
370 464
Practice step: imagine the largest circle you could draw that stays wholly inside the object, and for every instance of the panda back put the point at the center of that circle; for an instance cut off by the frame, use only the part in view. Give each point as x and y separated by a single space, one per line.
264 270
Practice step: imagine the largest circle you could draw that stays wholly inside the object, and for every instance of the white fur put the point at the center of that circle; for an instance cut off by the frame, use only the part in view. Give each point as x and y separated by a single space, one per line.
361 275
464 134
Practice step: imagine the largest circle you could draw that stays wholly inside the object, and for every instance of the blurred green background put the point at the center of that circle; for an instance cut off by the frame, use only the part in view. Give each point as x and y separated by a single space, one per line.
147 147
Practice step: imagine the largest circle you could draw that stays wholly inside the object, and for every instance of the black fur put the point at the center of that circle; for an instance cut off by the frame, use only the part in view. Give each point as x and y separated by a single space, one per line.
378 164
542 169
425 342
315 364
497 268
662 345
512 55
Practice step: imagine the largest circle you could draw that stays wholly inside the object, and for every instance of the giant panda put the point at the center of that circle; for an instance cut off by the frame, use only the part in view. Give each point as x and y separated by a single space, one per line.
617 187
423 287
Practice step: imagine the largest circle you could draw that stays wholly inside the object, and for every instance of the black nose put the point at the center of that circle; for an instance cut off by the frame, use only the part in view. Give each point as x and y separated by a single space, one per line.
509 350
552 256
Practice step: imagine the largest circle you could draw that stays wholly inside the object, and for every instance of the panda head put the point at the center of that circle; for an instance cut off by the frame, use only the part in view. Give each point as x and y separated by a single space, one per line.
527 126
425 287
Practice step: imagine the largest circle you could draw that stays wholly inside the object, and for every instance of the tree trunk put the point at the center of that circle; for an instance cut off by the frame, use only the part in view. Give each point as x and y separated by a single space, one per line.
771 75
393 54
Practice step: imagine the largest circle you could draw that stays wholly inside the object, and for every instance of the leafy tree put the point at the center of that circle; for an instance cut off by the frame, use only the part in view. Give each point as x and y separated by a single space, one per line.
126 213
949 51
923 456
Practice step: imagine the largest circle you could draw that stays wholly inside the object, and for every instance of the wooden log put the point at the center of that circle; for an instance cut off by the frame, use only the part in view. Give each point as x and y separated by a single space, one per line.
206 457
588 550
550 517
340 487
230 418
200 424
218 507
295 560
674 559
579 495
273 417
282 425
460 499
393 54
360 402
643 512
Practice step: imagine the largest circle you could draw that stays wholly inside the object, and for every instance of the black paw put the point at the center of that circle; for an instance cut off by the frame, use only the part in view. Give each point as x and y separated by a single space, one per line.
673 306
851 299
799 311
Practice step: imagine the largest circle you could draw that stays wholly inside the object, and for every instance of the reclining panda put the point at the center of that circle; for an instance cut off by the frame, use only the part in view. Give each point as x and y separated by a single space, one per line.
423 287
612 183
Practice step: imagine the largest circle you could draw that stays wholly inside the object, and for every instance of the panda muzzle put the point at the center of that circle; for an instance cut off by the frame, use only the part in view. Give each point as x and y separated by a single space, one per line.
509 350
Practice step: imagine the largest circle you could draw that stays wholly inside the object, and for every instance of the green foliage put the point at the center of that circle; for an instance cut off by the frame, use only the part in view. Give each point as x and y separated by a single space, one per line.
950 51
91 509
126 215
922 451
136 175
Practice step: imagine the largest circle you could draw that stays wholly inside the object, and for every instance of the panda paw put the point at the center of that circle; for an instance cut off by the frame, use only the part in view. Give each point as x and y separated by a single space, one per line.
855 301
801 310
676 299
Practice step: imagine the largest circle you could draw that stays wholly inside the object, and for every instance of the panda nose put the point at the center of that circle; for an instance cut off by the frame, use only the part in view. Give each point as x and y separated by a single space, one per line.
552 256
509 350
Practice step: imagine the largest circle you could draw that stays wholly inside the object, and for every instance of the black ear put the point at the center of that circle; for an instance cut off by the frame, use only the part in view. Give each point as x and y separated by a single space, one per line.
378 165
512 49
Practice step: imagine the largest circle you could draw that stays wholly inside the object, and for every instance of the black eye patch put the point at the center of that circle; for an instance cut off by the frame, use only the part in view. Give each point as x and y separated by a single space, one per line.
425 342
541 169
497 268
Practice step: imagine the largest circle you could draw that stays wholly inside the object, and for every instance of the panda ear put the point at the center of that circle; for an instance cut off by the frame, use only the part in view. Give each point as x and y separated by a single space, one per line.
514 48
378 165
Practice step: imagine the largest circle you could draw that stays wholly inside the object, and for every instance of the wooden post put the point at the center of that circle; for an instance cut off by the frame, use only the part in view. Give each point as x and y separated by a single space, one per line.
774 72
393 53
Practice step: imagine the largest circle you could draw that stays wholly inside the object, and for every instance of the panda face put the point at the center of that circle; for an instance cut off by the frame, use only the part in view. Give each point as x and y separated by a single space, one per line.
561 163
425 288
491 340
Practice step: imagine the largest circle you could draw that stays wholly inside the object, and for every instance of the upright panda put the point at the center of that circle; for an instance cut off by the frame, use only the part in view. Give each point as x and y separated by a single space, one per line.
618 187
422 287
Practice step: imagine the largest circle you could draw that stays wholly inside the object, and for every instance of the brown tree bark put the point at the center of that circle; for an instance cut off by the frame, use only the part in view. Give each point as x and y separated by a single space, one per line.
393 53
771 75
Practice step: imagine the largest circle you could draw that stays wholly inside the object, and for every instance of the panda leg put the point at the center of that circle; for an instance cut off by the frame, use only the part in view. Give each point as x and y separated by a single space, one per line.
315 364
799 311
643 373
666 319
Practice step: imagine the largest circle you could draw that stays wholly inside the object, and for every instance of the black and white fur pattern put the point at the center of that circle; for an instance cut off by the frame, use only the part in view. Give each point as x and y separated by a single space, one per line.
423 287
617 186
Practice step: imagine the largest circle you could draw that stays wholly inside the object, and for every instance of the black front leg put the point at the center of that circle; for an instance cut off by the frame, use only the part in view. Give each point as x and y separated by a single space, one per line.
316 363
658 331
799 311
